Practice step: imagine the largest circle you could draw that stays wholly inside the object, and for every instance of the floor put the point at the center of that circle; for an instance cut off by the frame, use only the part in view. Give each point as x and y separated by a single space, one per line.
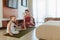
29 36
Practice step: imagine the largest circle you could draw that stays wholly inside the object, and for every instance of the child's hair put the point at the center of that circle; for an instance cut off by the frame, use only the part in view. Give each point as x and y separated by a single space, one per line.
12 16
27 10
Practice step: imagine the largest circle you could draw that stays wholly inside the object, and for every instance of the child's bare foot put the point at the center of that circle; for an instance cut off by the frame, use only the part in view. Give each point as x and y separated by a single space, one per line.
11 34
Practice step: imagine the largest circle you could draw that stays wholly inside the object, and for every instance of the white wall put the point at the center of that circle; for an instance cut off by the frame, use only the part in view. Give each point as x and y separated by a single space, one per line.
21 10
1 13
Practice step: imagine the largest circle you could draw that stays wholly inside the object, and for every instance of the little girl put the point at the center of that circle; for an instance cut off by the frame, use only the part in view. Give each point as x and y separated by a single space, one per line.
10 26
28 19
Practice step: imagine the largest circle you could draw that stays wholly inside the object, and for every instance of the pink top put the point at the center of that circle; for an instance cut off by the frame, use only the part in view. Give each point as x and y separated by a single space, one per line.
27 19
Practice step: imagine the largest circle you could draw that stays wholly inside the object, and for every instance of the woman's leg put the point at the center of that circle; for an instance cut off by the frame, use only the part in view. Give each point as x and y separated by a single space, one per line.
23 27
29 24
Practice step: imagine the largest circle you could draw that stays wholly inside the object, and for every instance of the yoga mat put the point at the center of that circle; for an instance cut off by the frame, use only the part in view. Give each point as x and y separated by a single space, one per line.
22 33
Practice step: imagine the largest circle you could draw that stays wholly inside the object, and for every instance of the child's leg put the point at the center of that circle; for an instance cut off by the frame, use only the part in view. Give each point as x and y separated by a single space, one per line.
10 33
15 32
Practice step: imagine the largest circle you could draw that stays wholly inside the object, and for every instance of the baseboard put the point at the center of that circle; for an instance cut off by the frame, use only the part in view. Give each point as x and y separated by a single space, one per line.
2 27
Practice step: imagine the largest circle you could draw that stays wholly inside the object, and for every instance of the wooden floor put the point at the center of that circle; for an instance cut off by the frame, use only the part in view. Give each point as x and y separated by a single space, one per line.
29 36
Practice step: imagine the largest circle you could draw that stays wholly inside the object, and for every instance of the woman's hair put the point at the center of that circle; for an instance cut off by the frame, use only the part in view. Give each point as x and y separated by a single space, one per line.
12 16
27 10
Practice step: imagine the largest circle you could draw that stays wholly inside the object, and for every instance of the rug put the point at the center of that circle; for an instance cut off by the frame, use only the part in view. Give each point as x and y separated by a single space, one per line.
22 33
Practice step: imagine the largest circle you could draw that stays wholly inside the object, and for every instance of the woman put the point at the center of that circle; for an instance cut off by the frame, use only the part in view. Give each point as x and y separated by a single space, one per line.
28 19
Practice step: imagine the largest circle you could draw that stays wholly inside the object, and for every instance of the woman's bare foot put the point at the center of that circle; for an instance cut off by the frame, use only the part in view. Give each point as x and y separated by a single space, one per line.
23 28
30 25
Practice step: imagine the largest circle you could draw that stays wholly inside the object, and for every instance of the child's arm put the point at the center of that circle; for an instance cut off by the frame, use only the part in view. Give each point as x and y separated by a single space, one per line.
16 26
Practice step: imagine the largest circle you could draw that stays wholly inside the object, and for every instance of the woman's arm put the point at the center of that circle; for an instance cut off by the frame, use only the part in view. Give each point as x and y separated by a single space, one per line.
31 16
32 19
24 21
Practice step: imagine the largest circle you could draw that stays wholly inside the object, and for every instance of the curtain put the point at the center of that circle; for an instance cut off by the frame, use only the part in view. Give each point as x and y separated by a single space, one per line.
46 8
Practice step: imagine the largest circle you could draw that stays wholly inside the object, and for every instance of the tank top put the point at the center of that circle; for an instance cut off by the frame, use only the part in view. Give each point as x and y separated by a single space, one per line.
27 19
12 28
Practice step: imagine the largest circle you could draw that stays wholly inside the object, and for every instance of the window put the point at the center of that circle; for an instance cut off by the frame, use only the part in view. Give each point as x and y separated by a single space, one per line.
12 4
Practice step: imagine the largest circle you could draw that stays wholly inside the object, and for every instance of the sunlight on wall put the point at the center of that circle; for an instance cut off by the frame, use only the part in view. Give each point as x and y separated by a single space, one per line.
30 6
